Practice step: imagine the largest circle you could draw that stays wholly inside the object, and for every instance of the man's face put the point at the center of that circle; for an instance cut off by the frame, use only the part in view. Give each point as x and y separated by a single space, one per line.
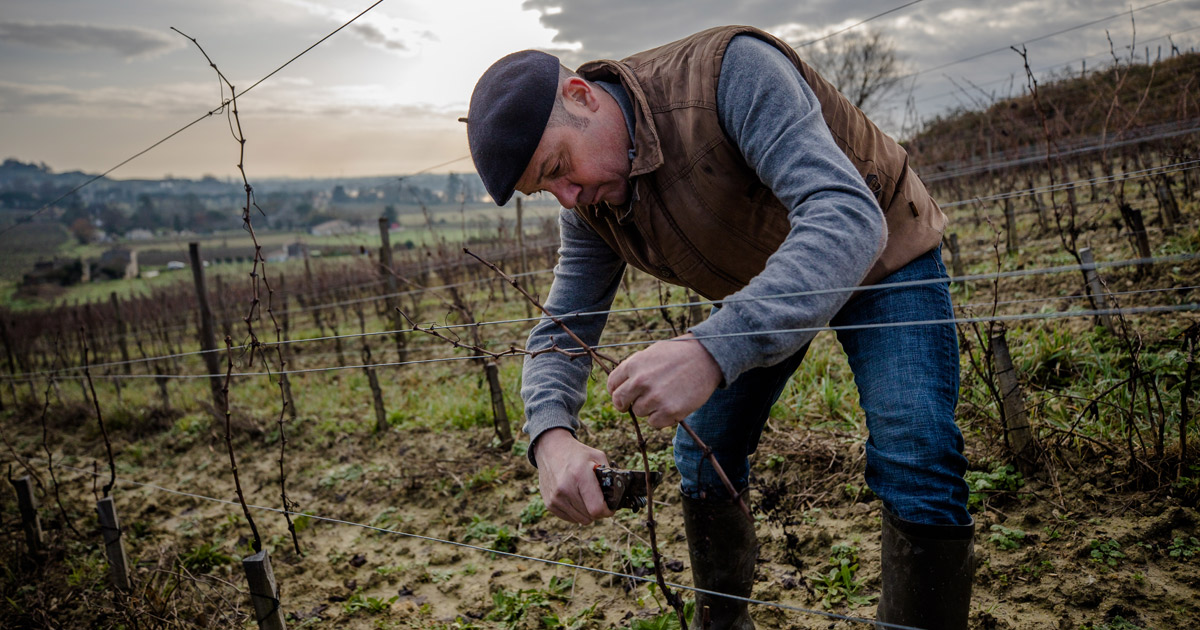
582 166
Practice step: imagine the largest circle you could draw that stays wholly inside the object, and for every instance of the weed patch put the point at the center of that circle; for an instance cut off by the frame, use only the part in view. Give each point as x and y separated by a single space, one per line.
839 584
494 537
1006 538
1001 478
1106 552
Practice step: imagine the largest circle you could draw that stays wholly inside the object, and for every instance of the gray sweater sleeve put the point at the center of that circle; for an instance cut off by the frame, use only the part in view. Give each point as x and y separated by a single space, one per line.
837 229
554 387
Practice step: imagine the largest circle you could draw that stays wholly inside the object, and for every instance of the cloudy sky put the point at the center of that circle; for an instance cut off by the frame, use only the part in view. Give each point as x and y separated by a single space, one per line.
84 84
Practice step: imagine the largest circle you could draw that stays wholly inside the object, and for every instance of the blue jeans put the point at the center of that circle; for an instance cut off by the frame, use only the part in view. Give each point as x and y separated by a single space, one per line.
907 379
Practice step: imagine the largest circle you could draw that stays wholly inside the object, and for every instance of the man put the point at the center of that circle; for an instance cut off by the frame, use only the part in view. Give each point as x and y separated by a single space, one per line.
723 163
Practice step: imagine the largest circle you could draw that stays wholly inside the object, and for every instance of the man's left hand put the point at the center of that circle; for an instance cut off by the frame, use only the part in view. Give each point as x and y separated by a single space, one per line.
665 382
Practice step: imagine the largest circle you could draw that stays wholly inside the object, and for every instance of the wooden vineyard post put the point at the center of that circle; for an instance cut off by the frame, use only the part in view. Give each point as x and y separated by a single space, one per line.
381 424
1072 208
1168 208
696 310
114 545
1016 421
264 592
285 352
1137 229
8 353
389 277
499 412
1095 287
1010 219
1039 207
222 309
90 324
208 341
956 265
525 280
27 503
122 343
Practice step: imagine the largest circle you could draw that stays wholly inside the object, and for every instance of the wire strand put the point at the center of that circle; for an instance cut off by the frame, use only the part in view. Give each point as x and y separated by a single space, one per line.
208 114
1147 172
568 316
1032 158
1036 39
857 24
1137 310
312 308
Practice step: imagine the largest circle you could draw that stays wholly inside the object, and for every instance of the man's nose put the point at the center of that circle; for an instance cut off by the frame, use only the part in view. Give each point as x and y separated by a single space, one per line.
566 193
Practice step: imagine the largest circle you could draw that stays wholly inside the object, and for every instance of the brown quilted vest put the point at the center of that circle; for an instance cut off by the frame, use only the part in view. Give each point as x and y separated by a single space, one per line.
702 218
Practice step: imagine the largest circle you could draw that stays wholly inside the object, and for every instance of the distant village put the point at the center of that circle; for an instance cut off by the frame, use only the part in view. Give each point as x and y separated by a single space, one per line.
123 213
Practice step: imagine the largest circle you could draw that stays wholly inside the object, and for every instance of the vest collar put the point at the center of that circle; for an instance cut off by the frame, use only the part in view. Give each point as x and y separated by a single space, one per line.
648 155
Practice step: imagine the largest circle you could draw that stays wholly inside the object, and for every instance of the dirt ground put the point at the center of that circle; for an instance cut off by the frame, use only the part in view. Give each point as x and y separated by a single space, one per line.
1055 550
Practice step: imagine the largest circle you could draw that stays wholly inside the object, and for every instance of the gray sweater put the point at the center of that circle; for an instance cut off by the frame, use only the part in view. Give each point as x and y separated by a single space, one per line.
837 232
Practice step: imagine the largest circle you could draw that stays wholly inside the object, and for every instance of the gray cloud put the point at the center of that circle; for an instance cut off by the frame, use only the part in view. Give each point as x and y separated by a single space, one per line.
288 100
625 26
373 35
934 31
376 36
927 35
127 41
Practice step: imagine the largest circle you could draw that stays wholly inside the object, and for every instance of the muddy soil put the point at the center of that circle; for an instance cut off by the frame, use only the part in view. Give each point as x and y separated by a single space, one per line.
1058 549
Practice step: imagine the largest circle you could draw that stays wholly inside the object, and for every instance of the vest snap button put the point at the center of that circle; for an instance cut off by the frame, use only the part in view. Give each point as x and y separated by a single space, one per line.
666 272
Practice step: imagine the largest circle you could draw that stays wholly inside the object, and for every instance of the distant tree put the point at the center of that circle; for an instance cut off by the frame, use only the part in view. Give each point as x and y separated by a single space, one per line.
191 203
146 216
113 219
19 199
469 193
421 194
389 213
73 213
83 230
339 194
454 188
864 67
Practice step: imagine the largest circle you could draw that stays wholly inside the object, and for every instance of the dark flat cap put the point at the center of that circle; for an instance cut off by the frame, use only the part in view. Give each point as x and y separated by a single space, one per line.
509 109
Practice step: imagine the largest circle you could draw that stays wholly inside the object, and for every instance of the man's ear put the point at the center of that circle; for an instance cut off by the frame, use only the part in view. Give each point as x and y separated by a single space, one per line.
578 91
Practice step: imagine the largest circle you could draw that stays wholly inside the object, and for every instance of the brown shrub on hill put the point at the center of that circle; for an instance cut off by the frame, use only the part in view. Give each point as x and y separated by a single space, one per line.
1118 103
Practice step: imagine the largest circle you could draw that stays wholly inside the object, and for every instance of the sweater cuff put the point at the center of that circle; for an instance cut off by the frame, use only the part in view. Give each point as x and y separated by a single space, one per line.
544 421
733 354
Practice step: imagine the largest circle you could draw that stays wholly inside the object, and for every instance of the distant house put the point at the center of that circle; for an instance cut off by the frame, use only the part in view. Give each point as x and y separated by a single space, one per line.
297 249
332 228
118 263
277 256
60 272
139 234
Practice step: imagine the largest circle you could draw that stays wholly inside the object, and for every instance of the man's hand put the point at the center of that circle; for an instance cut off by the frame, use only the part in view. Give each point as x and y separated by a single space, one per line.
567 478
665 382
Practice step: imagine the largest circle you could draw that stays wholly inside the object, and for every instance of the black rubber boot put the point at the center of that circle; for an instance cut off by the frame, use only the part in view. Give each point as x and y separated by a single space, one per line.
927 574
723 548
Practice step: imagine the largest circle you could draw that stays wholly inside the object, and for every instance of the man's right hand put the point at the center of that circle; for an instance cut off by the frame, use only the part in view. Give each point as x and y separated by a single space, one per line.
567 478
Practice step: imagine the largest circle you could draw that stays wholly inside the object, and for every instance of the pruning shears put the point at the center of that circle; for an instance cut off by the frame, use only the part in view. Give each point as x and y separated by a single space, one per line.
625 488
